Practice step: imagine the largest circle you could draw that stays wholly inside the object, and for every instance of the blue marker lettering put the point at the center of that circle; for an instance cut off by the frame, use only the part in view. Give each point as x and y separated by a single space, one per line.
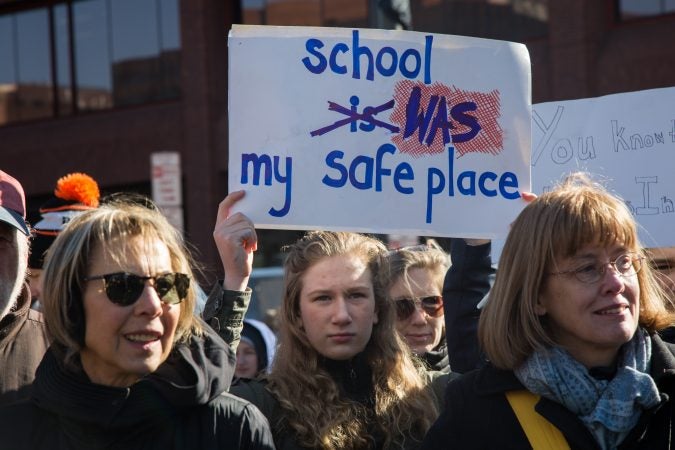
312 46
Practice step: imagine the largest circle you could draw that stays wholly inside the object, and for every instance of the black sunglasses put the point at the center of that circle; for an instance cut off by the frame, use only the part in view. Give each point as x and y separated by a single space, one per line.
125 289
431 305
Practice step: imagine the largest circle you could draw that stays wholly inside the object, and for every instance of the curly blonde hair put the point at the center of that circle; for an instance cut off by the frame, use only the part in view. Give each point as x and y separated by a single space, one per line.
313 408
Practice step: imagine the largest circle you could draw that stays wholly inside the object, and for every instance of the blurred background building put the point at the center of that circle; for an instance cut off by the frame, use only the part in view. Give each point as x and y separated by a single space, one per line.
99 86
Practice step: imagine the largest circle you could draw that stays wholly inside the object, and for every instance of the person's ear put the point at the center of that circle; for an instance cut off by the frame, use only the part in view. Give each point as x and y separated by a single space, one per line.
539 308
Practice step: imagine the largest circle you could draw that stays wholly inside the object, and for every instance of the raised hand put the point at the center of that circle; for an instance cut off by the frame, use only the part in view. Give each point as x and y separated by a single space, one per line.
236 240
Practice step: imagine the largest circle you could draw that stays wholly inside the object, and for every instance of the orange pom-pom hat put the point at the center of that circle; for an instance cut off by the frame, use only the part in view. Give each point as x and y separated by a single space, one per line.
74 193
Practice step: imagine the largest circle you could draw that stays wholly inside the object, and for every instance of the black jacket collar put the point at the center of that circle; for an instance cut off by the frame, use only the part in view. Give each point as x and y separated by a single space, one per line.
438 358
195 373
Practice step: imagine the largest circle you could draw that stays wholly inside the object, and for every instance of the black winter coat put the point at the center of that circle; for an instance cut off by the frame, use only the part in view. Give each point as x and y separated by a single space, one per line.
182 405
478 416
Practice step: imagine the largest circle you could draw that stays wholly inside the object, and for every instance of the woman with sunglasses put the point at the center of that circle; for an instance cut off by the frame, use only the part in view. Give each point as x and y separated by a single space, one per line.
342 378
570 330
130 366
415 281
436 302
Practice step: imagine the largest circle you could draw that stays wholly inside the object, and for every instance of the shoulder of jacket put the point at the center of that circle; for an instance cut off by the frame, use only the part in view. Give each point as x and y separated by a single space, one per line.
663 358
32 331
228 400
25 415
36 316
231 406
255 391
487 380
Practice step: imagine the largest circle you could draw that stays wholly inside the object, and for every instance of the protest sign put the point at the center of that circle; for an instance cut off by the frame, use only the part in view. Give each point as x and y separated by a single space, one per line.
627 140
378 131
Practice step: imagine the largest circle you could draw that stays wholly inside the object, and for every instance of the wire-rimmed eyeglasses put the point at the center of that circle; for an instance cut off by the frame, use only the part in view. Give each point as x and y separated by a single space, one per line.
626 265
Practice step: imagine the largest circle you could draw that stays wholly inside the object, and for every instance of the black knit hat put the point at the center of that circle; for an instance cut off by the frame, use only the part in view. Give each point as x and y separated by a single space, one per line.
74 193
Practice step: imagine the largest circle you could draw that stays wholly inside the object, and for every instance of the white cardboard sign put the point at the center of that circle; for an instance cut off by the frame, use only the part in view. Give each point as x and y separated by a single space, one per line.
627 140
378 131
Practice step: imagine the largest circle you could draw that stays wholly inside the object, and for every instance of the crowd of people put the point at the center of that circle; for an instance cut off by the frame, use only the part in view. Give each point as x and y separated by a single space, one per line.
374 348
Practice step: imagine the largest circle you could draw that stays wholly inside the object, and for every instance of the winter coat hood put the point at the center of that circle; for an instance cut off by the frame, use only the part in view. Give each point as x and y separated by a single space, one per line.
261 333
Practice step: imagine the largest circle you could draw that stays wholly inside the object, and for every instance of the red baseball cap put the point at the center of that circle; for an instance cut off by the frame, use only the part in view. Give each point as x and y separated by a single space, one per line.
12 203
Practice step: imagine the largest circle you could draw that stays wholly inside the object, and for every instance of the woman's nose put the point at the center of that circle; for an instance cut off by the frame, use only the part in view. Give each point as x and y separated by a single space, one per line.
341 311
149 301
612 280
418 316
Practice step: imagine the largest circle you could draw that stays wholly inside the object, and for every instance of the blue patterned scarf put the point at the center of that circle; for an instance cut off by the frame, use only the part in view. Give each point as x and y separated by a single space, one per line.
608 408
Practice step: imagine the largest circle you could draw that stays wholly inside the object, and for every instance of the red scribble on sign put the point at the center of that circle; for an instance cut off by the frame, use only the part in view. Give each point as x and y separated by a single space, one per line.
443 115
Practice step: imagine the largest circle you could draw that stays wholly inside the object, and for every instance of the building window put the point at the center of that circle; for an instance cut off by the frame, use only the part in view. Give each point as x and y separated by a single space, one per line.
638 9
333 13
25 68
83 55
512 20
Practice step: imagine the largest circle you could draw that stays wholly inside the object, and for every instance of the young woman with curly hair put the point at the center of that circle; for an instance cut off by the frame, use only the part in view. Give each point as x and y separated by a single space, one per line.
342 378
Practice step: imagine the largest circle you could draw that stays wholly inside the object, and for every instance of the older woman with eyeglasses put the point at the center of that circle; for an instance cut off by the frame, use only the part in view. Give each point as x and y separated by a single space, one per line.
570 332
130 366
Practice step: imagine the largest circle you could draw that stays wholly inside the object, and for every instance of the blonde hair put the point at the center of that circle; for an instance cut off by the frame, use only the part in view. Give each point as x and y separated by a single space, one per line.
556 225
314 411
69 258
429 256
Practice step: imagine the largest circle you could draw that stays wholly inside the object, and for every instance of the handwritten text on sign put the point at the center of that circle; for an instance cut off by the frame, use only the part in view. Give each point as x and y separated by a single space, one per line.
377 131
627 139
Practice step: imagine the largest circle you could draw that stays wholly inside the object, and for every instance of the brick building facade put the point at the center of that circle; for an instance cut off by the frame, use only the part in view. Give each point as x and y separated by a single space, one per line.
578 48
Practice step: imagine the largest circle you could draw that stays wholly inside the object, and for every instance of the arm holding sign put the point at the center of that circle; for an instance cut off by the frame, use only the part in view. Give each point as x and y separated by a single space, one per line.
467 282
236 240
228 301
